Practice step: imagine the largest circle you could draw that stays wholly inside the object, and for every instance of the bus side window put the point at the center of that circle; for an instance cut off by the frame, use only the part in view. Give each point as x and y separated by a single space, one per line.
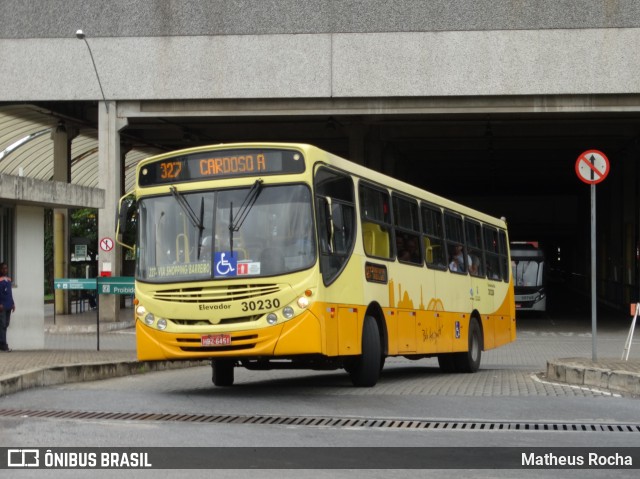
474 244
406 220
492 252
375 221
504 261
433 237
336 222
458 260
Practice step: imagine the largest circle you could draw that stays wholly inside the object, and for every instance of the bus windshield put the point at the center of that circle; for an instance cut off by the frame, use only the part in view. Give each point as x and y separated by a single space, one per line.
528 271
187 236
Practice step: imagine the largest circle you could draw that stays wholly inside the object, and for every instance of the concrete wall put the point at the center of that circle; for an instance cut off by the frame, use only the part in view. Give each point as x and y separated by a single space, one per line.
27 323
25 190
151 18
316 49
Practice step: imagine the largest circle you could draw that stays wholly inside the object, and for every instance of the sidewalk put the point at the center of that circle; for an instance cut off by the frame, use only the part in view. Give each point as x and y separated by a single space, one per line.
71 355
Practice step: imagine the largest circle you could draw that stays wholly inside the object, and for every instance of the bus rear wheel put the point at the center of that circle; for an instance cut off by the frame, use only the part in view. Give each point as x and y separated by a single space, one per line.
469 361
364 370
222 372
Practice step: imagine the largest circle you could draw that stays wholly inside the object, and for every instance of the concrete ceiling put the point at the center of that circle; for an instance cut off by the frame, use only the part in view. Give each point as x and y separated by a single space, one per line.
517 165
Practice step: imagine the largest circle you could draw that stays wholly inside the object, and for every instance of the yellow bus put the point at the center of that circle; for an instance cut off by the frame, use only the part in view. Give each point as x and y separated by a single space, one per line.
278 255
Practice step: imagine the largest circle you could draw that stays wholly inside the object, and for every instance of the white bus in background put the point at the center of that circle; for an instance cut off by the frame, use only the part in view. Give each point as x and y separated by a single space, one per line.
527 260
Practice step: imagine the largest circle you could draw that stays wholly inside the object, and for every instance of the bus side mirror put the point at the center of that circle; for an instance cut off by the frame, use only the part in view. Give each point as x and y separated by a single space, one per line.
126 207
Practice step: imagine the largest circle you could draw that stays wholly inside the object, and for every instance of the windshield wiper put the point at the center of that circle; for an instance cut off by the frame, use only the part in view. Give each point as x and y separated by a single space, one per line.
186 207
201 228
243 212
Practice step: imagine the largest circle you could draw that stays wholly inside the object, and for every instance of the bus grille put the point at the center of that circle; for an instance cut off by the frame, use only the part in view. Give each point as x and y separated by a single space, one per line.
217 294
200 322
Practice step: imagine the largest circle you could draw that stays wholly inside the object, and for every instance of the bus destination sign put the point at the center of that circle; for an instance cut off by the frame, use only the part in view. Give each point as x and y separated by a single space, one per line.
220 164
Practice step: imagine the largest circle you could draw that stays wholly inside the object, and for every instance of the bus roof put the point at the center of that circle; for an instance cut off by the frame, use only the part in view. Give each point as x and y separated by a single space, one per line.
357 170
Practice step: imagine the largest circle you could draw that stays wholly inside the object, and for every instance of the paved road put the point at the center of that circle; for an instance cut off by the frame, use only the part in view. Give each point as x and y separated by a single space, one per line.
414 404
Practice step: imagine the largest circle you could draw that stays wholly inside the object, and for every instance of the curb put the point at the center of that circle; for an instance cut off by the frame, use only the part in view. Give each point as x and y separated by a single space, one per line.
88 328
86 372
582 372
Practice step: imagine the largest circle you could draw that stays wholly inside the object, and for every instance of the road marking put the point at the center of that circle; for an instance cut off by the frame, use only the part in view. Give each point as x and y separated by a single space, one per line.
573 386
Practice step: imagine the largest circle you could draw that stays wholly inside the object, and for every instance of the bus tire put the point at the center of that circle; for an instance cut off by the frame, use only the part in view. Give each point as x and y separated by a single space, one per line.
469 361
365 369
222 372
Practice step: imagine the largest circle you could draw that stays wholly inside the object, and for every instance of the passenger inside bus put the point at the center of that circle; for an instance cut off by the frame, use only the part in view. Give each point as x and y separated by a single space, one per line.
408 249
401 248
457 259
474 264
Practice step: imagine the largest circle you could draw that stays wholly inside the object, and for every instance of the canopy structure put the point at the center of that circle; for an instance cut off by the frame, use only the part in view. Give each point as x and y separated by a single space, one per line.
26 148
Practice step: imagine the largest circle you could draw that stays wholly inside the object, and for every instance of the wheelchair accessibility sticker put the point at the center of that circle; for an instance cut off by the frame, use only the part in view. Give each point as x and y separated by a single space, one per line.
226 264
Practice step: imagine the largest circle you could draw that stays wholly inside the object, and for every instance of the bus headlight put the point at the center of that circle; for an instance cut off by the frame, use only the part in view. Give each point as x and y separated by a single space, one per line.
140 310
288 312
149 319
162 324
272 318
303 302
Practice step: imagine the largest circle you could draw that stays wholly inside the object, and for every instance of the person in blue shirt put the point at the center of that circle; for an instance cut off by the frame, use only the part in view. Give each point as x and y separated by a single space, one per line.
7 306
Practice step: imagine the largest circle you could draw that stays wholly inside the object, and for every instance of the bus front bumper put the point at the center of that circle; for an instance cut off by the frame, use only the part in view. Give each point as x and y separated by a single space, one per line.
301 335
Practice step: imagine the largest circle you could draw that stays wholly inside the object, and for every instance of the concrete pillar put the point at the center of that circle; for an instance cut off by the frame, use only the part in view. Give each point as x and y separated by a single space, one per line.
628 219
60 258
110 172
61 172
27 323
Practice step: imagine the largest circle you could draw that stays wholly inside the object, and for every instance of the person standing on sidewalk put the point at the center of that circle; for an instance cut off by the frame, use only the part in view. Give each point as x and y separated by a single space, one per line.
7 306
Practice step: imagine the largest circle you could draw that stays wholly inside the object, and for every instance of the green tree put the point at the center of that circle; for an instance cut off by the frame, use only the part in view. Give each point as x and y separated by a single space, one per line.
84 225
48 251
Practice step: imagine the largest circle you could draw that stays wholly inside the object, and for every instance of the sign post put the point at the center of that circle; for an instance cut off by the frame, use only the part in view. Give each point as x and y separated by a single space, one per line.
592 167
102 285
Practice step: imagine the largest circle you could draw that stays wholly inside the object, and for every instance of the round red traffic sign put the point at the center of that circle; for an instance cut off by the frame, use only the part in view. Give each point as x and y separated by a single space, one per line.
592 167
106 244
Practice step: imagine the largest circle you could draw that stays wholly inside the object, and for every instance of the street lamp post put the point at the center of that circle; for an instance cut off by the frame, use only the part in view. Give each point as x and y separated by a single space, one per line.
80 35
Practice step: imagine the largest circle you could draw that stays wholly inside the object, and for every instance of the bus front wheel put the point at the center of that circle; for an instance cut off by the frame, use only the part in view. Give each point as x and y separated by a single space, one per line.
222 372
364 370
